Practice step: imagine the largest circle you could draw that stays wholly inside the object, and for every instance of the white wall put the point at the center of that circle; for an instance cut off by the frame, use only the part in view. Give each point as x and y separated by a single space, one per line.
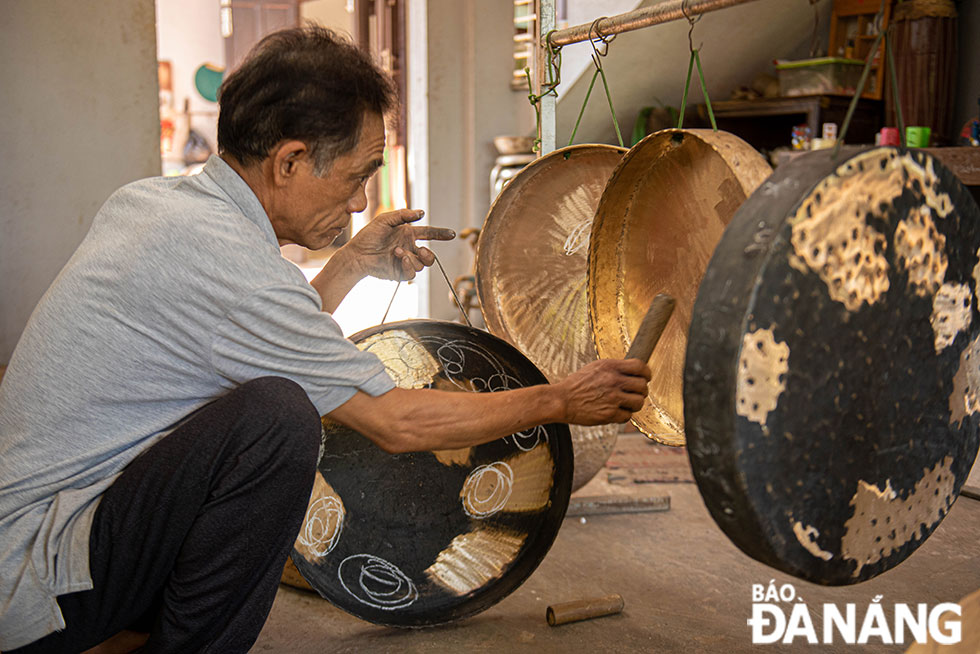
79 107
329 13
576 59
469 53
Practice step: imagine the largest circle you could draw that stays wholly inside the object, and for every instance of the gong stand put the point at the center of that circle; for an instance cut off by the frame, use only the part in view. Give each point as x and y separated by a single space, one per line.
550 40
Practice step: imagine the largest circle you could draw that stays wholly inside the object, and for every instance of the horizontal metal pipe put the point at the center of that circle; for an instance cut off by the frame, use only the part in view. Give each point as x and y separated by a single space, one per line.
662 12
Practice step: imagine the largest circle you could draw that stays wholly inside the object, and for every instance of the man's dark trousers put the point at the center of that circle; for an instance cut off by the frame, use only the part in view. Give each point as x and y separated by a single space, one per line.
190 541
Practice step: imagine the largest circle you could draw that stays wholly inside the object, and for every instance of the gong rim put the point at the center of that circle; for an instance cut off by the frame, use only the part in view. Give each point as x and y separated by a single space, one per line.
441 535
643 244
541 221
809 468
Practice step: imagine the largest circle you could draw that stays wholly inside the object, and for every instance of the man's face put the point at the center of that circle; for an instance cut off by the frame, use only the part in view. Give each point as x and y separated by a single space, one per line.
315 210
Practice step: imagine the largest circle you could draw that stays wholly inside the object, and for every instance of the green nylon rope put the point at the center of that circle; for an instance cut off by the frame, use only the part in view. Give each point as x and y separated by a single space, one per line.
886 35
696 58
599 72
890 53
857 94
550 87
619 135
571 139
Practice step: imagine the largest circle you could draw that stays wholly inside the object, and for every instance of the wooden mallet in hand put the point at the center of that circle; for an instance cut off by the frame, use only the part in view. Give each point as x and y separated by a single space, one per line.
651 328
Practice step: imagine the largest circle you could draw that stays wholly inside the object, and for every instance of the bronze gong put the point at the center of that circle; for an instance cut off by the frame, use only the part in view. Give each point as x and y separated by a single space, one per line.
660 217
431 537
832 385
531 273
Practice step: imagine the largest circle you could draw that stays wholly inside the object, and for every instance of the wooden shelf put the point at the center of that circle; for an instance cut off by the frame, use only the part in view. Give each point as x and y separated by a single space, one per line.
854 21
963 161
767 123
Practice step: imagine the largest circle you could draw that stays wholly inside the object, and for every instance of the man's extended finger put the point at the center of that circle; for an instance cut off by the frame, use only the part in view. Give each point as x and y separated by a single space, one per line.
430 233
400 216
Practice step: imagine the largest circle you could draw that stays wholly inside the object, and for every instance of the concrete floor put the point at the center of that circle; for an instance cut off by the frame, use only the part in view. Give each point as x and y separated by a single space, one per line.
687 589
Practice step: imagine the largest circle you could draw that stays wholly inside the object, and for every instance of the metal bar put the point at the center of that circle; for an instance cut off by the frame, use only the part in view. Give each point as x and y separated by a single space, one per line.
607 504
549 103
662 12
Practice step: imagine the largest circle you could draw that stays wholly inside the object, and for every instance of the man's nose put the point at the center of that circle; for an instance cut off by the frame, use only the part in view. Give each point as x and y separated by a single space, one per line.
358 202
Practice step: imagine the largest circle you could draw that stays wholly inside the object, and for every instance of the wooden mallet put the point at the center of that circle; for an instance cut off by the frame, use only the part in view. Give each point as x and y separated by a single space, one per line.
651 328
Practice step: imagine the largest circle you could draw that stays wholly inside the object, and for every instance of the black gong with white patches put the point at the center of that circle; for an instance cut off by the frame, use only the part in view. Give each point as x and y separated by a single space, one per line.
427 538
832 379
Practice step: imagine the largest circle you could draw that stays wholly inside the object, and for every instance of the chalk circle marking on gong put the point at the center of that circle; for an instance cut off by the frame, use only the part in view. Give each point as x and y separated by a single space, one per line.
487 489
528 439
375 582
323 525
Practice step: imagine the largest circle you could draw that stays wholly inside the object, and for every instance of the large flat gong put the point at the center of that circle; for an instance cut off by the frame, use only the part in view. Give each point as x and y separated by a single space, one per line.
426 538
832 382
531 273
658 221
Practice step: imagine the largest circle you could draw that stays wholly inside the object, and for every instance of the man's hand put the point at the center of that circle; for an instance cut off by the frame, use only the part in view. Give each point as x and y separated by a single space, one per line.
608 390
385 248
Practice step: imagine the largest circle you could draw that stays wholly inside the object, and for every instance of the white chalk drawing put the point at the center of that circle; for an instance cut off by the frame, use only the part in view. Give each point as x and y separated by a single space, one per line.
528 439
376 583
487 489
323 524
400 353
578 237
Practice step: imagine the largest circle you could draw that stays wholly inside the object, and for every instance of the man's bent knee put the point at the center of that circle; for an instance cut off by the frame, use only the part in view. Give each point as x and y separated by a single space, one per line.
284 406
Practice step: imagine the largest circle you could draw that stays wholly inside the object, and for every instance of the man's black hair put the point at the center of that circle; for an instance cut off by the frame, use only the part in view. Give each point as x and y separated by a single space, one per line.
308 84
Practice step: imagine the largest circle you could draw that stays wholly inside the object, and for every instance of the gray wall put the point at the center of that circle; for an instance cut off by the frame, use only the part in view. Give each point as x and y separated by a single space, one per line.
80 118
469 54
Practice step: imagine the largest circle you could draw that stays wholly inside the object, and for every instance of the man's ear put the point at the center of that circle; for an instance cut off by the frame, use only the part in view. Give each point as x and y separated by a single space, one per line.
286 160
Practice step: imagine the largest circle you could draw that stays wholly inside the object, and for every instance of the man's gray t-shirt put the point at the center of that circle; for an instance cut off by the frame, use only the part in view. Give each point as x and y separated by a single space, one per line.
177 295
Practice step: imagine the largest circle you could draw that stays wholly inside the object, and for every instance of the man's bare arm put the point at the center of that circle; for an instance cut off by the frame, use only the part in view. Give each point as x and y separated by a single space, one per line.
336 279
423 420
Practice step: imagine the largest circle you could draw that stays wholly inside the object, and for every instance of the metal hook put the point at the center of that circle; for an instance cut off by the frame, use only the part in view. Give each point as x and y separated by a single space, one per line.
604 39
692 21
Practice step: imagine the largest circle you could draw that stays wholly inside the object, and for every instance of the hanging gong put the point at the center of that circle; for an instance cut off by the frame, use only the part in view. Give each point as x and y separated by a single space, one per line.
426 538
531 274
658 221
832 384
